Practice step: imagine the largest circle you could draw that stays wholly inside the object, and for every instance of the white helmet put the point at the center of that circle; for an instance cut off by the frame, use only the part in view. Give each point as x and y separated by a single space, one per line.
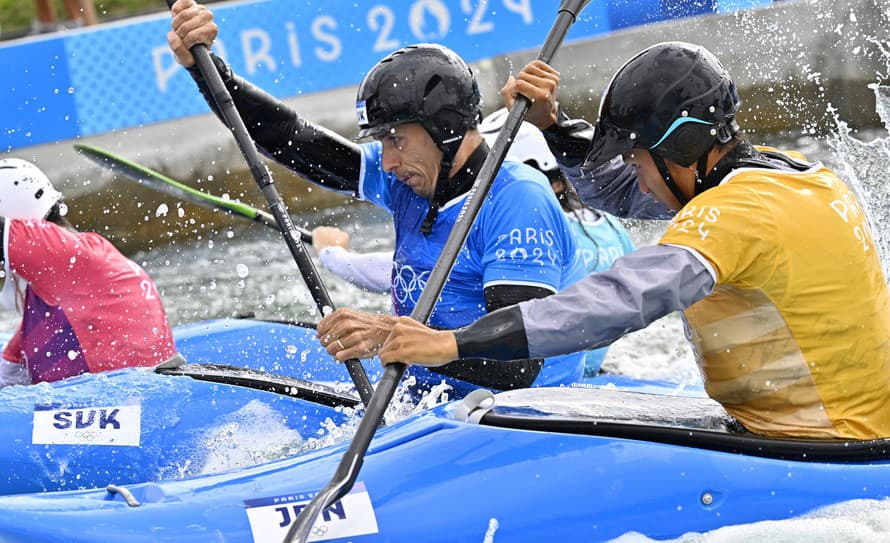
25 191
529 144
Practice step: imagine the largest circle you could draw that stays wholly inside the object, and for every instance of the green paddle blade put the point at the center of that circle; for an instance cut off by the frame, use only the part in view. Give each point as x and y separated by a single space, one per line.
161 183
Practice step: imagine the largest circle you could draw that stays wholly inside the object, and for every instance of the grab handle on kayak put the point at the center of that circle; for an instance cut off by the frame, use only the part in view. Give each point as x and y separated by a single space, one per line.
474 406
124 493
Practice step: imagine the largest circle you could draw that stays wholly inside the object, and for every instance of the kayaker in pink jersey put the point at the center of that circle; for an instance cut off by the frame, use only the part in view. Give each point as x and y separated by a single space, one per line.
85 307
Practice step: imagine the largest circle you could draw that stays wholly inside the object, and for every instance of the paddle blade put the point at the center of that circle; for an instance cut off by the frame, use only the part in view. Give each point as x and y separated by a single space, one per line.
165 185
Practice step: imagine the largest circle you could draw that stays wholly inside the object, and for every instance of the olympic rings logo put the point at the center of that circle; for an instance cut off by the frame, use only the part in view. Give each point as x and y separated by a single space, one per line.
407 284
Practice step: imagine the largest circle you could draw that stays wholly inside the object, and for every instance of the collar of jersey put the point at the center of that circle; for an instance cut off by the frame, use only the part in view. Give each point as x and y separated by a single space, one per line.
462 182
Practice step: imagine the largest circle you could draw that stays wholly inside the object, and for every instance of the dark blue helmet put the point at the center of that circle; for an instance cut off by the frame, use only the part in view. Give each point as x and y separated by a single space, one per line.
674 99
424 83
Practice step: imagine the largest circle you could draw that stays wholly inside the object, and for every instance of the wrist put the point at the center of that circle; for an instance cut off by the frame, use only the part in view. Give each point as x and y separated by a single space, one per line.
560 121
388 320
448 343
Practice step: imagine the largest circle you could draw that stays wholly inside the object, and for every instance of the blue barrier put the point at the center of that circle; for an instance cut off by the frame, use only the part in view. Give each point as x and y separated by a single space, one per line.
122 75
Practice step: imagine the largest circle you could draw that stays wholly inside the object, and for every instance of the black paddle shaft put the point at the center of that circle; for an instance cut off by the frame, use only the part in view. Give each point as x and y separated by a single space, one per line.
352 460
263 178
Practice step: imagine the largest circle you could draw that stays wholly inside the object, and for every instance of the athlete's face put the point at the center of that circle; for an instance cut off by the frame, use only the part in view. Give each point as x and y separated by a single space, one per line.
410 153
650 179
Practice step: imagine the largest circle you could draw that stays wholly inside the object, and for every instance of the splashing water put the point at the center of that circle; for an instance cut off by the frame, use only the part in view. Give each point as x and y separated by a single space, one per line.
252 435
239 441
493 526
860 521
865 166
406 401
331 433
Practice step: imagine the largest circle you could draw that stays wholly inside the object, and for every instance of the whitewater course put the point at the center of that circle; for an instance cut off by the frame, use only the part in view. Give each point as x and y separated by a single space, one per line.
811 75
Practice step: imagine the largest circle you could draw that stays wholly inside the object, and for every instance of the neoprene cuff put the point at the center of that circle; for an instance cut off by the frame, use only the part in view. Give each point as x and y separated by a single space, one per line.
568 139
224 71
494 374
497 336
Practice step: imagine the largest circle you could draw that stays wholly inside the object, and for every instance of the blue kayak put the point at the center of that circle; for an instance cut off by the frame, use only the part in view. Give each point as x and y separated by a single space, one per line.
529 465
136 424
280 348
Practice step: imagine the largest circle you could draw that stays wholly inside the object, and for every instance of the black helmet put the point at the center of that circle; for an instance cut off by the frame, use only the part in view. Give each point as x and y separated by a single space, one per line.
674 99
424 83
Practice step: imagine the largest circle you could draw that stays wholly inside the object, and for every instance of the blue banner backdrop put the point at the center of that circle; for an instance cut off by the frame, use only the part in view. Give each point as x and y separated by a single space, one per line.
121 75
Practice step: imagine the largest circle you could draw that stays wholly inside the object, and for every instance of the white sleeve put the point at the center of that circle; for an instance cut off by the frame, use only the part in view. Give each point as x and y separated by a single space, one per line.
12 373
369 271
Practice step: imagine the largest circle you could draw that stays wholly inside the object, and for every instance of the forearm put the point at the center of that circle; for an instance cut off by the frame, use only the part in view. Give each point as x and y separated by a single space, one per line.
614 188
640 288
495 374
312 151
569 139
501 373
498 336
369 271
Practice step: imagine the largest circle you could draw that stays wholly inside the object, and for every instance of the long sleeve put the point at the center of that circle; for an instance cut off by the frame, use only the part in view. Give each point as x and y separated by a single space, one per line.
640 288
613 187
368 271
315 153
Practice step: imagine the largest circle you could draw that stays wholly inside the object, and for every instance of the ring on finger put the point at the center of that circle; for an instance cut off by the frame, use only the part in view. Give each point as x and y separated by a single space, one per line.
340 343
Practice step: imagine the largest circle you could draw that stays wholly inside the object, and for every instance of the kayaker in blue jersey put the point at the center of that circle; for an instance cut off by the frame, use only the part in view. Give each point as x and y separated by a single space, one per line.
770 258
601 238
421 105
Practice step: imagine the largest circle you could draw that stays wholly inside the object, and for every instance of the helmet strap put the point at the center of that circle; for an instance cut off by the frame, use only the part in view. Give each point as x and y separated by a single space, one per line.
668 180
450 188
702 182
738 157
441 190
449 150
727 129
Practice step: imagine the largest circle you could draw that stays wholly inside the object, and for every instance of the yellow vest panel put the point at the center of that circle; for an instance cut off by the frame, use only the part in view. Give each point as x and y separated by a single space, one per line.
793 341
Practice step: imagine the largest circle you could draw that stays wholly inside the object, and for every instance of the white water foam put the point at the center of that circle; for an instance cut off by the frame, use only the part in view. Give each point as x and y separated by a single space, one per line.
857 521
866 166
252 435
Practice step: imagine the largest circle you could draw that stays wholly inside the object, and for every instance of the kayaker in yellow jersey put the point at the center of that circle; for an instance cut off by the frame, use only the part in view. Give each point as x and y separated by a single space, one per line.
770 258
